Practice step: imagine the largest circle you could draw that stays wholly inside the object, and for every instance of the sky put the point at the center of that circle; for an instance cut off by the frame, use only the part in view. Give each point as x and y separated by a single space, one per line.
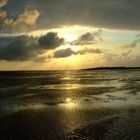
69 34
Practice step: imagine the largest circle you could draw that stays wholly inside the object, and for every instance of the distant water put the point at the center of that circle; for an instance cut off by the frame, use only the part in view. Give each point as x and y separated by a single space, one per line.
70 105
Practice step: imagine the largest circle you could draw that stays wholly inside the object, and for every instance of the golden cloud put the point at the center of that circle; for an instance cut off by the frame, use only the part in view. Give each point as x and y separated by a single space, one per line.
3 14
3 2
27 19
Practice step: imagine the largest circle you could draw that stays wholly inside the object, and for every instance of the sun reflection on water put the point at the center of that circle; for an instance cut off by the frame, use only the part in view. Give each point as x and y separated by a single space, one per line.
69 104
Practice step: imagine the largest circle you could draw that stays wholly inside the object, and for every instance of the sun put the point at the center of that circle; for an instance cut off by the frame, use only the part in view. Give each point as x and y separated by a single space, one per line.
70 37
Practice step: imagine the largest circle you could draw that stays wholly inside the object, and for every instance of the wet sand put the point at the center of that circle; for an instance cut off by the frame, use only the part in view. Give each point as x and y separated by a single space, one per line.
74 105
41 124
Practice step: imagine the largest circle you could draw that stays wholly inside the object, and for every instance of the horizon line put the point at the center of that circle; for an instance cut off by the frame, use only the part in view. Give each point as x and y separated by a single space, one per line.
90 68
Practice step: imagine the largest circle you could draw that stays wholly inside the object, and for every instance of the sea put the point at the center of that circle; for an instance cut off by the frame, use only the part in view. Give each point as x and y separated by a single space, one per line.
70 105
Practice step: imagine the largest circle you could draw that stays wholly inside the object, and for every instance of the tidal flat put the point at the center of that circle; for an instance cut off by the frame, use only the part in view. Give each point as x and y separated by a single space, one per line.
70 105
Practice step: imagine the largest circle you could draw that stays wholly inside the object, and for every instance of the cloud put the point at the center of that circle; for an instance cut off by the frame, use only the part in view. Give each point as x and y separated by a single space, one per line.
112 14
3 14
88 38
62 53
122 14
112 56
5 40
124 59
25 21
22 48
126 54
50 41
138 36
130 45
89 50
27 18
3 2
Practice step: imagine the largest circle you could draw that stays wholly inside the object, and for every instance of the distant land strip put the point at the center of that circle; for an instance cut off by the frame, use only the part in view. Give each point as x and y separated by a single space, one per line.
111 68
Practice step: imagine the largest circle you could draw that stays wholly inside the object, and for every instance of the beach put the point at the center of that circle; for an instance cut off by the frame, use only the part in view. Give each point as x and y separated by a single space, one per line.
70 105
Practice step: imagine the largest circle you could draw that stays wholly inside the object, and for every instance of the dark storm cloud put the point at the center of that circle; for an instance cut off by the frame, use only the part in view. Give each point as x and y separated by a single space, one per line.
50 41
102 13
62 53
21 48
88 38
116 14
4 40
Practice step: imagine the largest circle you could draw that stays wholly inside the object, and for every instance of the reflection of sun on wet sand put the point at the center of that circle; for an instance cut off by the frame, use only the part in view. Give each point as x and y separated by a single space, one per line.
35 124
